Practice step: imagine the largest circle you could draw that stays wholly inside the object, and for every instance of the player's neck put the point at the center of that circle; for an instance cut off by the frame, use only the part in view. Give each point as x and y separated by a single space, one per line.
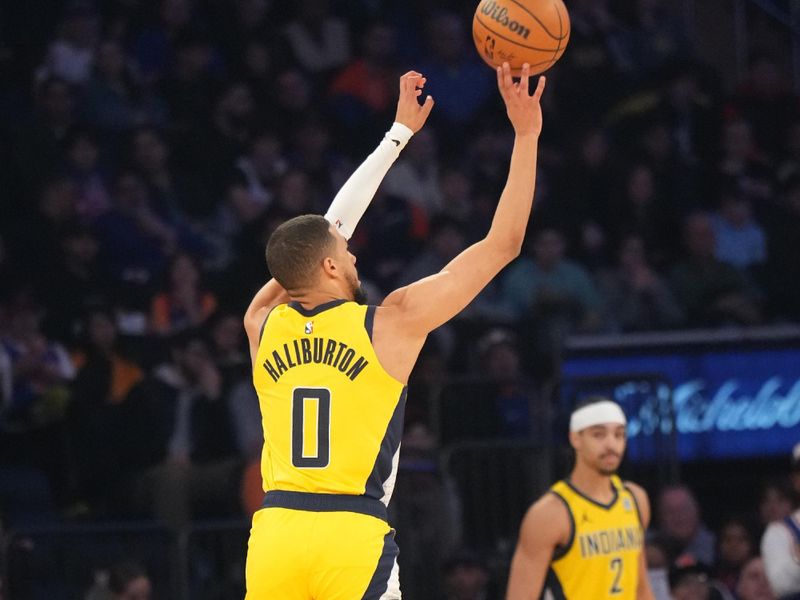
591 483
312 298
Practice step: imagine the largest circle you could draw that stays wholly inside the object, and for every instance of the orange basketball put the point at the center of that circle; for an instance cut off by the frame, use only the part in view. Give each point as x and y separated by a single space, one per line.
520 31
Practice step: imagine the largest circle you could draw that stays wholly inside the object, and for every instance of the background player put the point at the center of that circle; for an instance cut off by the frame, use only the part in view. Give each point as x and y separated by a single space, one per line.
584 538
332 409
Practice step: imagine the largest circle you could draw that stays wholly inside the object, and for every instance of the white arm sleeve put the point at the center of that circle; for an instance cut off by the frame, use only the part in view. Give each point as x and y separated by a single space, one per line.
783 570
353 199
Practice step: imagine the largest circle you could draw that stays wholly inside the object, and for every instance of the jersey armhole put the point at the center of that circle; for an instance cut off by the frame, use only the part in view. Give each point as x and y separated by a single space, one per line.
560 550
369 320
635 504
264 324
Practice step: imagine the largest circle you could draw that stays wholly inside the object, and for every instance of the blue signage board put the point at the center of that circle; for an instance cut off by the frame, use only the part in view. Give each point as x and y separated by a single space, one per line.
727 402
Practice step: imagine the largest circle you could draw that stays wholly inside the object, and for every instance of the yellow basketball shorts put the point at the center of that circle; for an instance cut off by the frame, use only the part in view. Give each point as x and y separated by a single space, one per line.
321 547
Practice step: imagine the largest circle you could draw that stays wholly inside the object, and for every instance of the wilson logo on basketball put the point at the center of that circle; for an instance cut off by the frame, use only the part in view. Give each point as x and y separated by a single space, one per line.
500 14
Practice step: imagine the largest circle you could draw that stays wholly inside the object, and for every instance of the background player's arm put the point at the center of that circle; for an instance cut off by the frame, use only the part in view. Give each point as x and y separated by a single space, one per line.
430 302
643 589
545 526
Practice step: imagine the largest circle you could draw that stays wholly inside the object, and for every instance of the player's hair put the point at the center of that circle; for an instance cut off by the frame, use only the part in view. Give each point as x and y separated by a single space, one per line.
296 248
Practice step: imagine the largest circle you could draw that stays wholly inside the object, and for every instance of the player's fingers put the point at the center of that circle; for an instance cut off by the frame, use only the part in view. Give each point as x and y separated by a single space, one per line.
499 71
427 106
540 85
524 78
410 84
508 82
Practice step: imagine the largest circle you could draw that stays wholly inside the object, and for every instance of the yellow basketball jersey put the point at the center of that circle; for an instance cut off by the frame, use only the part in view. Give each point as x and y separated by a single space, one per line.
601 559
332 416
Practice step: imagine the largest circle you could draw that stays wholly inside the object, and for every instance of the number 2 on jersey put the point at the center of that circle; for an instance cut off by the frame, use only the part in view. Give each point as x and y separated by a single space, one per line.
311 428
616 566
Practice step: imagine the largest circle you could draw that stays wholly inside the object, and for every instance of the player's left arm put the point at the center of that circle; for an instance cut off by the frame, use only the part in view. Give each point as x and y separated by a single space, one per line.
268 297
643 589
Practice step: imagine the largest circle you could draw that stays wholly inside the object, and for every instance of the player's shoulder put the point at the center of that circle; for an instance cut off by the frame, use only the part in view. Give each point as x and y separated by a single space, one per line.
549 507
638 491
642 500
549 519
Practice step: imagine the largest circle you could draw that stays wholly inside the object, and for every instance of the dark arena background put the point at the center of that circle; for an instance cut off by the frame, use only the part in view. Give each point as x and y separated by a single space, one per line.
148 149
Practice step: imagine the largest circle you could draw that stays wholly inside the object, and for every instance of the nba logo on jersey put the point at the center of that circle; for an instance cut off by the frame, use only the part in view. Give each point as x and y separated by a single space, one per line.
309 327
626 503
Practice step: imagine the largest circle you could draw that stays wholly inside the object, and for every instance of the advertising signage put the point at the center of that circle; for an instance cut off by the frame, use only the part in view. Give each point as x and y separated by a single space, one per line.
730 398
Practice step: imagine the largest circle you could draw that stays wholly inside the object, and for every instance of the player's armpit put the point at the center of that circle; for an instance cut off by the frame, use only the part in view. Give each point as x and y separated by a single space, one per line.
545 527
430 302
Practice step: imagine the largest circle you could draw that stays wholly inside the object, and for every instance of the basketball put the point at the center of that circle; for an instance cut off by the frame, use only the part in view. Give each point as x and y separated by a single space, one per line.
520 31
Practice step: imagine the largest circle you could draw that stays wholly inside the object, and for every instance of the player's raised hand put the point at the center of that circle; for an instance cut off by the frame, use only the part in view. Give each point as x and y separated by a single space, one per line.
523 108
410 112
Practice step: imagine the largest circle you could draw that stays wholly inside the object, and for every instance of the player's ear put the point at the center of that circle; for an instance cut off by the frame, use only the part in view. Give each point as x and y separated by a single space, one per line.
329 266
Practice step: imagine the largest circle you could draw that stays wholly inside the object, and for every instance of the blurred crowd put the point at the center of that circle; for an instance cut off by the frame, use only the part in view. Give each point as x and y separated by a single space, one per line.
148 149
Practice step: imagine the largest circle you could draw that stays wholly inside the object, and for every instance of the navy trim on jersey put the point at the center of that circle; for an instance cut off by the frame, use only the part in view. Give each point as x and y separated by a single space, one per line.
382 468
560 550
325 503
310 312
264 325
592 500
369 320
383 571
553 585
635 503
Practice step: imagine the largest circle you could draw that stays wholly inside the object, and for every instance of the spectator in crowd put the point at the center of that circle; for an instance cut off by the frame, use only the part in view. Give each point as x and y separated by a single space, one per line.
711 292
657 559
741 241
415 175
124 580
467 577
179 447
262 166
550 286
642 210
635 297
77 284
362 94
190 85
753 583
693 581
780 547
456 78
446 240
680 524
184 302
112 101
135 241
105 377
776 501
782 277
743 164
39 140
90 180
735 547
794 470
500 362
153 48
317 40
71 55
426 505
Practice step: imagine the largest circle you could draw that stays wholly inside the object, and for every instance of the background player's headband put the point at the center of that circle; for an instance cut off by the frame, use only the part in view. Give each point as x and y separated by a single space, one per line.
597 413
